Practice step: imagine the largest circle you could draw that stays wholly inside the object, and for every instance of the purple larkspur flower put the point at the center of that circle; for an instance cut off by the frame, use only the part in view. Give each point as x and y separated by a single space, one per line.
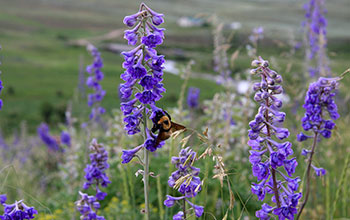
3 198
255 156
148 82
65 138
259 189
319 171
263 213
285 212
198 210
302 137
44 134
152 40
305 152
150 142
178 216
193 97
170 200
127 155
190 183
146 97
319 103
290 165
267 124
18 211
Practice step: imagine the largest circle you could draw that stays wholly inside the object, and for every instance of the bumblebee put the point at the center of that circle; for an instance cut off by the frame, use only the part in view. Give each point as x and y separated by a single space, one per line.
165 126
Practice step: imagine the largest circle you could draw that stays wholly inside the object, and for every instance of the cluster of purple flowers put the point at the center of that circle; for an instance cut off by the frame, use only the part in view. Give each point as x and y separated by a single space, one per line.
53 143
65 138
316 27
95 175
88 206
95 171
17 210
1 86
319 102
193 97
93 81
268 122
186 180
144 68
150 142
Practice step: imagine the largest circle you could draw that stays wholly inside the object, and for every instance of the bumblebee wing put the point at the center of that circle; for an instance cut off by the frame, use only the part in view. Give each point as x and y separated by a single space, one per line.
176 127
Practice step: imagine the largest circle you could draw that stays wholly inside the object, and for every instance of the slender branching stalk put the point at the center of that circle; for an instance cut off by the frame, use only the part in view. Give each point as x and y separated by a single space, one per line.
308 176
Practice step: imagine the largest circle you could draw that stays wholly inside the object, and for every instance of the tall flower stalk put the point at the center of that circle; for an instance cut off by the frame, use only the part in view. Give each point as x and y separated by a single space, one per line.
93 82
268 155
320 114
315 25
142 87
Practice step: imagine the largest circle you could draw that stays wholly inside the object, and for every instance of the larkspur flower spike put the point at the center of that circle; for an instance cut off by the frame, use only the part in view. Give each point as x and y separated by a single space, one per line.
96 177
186 180
321 112
93 81
193 97
95 172
316 30
143 74
268 155
44 134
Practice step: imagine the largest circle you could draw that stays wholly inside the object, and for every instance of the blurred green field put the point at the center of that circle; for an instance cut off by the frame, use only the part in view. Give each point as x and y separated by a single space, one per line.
40 68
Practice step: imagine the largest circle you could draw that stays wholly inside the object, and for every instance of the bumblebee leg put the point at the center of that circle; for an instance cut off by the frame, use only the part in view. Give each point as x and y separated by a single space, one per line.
155 128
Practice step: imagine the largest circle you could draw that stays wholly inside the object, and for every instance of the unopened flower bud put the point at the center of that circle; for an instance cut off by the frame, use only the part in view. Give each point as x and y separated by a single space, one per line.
253 71
256 86
272 73
256 63
278 79
271 82
265 63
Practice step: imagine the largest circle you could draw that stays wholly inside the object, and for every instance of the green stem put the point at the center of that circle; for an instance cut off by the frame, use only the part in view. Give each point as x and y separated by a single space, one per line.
160 198
308 176
184 208
146 167
170 170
